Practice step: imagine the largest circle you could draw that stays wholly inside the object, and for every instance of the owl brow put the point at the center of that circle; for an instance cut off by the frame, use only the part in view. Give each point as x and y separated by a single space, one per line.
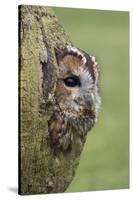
69 50
76 52
69 75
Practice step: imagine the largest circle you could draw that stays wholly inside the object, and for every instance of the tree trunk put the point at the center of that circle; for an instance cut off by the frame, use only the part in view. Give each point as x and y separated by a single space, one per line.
42 169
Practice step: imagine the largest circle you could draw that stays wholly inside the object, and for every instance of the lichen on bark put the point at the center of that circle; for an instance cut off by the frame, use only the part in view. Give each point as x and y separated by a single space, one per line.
42 169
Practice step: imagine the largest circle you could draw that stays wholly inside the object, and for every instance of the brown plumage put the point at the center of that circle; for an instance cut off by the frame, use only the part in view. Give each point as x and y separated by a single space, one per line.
76 96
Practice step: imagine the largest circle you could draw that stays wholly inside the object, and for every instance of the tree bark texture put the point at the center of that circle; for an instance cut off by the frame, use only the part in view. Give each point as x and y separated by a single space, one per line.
42 169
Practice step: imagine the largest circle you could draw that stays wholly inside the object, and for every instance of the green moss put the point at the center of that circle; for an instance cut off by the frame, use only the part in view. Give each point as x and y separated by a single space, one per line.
43 169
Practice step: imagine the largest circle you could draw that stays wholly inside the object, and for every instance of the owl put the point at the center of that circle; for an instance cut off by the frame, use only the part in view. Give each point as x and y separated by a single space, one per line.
76 97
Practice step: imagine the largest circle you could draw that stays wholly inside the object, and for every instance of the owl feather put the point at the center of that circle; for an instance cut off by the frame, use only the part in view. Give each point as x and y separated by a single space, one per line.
77 98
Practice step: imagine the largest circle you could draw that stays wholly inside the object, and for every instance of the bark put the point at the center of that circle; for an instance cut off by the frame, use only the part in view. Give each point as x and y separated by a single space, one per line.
42 169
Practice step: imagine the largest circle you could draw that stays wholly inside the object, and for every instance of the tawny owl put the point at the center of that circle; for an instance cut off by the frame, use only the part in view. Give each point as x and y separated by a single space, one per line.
77 98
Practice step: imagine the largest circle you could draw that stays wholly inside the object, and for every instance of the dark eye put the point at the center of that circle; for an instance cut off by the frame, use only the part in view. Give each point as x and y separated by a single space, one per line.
72 81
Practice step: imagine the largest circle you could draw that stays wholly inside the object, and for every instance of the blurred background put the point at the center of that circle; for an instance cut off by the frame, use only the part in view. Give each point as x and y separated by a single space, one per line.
104 162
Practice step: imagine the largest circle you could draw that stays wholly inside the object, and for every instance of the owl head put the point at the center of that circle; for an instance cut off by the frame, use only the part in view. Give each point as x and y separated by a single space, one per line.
77 86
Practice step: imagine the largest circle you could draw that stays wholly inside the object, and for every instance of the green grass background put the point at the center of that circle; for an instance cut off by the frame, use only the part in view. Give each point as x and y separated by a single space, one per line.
104 160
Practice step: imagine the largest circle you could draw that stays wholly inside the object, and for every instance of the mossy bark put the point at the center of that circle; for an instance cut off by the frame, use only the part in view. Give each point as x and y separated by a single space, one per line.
42 169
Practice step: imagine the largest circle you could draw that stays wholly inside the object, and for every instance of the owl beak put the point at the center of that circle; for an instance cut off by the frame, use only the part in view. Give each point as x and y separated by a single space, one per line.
89 100
85 100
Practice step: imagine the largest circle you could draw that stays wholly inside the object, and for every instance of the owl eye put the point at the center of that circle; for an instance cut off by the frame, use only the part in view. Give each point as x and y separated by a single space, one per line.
72 81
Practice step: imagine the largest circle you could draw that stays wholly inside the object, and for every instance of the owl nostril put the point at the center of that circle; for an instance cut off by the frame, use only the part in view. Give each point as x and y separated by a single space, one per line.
72 81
